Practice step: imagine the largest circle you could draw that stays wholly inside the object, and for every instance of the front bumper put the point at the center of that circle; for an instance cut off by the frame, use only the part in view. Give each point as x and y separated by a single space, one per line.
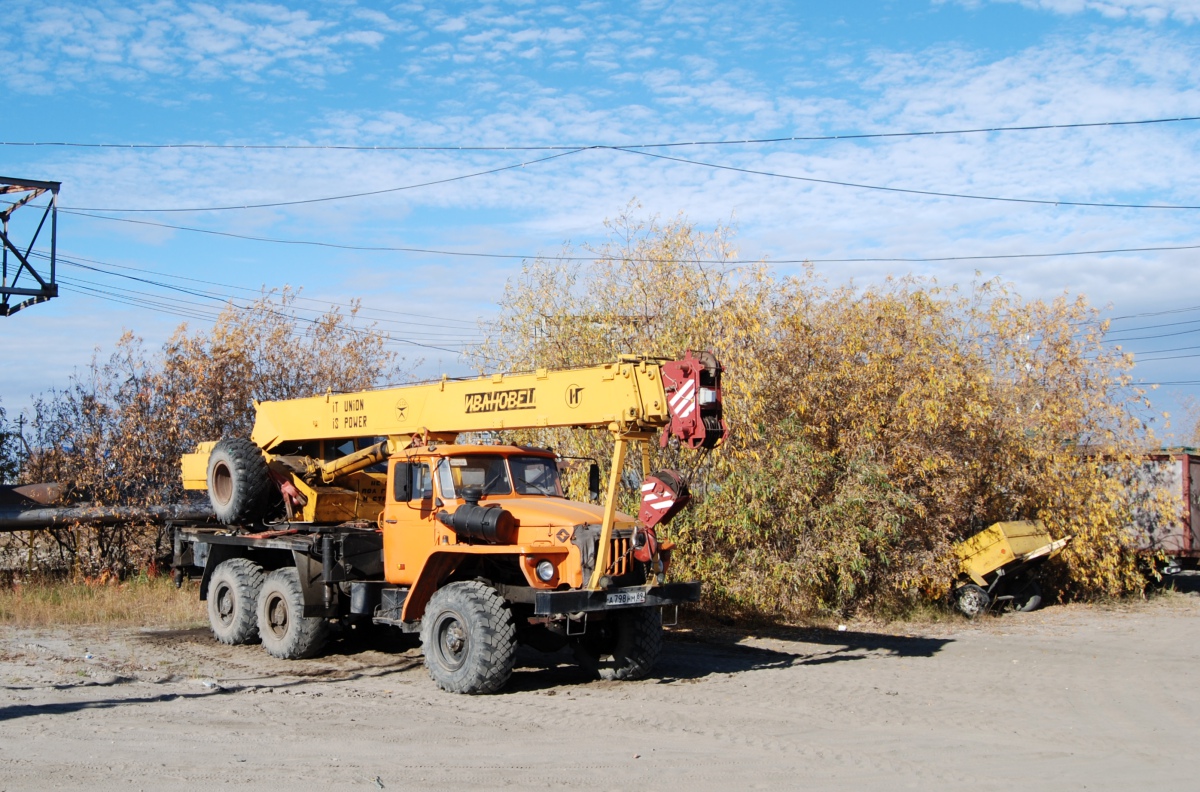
549 603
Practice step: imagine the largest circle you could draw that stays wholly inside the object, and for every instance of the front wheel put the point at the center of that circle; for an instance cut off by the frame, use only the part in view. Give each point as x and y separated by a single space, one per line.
468 637
971 600
285 631
624 646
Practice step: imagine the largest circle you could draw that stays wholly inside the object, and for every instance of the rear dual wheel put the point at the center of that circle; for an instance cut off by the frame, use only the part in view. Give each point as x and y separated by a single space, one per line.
285 631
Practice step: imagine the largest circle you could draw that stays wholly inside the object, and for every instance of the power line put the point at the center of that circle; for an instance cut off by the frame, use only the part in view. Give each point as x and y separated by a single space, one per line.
326 199
350 329
935 259
560 147
177 307
750 171
366 248
139 303
1160 351
932 193
1145 337
1173 357
1153 326
226 298
525 256
1156 313
74 260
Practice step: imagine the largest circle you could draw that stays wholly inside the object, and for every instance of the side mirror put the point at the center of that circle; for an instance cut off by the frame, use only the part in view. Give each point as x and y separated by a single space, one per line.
594 481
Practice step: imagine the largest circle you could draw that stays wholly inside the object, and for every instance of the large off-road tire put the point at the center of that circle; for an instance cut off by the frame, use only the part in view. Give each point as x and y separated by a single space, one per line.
239 485
624 646
468 637
285 631
971 600
233 601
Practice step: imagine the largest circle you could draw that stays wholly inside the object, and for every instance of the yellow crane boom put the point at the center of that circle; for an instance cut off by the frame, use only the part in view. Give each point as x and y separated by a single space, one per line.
625 396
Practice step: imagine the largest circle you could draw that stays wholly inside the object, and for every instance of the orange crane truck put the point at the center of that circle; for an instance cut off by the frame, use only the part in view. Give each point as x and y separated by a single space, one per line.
352 508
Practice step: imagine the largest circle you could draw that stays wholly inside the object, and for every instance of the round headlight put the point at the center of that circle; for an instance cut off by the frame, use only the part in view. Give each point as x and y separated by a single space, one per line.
545 571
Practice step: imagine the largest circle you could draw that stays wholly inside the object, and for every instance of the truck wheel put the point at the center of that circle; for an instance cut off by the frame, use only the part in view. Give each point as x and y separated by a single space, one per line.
284 629
238 482
624 646
971 600
468 637
233 601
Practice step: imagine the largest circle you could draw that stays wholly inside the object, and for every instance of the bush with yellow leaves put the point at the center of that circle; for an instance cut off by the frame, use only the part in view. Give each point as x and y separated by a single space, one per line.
871 428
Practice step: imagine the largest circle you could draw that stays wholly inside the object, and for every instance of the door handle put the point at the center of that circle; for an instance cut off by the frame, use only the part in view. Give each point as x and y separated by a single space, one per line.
393 522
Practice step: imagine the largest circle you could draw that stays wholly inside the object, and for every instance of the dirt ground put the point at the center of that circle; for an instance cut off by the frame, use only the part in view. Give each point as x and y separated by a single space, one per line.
1066 698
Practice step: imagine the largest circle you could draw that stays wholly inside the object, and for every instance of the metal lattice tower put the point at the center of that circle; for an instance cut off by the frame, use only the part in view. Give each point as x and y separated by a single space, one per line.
39 286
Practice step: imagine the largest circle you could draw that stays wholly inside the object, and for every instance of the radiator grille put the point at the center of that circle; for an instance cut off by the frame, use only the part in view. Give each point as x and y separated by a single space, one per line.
618 560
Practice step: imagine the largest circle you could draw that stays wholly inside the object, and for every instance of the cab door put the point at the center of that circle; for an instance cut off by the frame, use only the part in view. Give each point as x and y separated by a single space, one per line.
408 519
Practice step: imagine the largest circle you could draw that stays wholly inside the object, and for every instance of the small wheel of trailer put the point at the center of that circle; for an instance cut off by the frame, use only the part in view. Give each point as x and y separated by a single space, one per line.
239 484
971 600
469 638
1027 594
285 631
233 601
624 646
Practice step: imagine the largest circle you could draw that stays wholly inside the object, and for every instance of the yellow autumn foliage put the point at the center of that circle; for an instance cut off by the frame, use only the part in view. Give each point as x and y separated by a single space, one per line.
116 433
870 427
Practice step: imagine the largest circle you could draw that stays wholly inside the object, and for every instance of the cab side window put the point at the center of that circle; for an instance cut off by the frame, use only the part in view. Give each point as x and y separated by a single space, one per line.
412 481
422 481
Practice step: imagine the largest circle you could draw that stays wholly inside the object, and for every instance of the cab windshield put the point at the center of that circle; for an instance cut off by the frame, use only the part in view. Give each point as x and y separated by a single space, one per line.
497 475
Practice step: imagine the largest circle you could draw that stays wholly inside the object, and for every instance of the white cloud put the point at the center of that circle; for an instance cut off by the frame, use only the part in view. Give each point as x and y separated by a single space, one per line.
72 45
1153 11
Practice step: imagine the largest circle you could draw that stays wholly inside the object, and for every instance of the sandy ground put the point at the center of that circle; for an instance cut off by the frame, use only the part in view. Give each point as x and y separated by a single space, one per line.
1066 698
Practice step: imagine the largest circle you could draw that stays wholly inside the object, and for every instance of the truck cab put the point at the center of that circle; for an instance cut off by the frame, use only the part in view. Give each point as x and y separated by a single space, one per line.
526 532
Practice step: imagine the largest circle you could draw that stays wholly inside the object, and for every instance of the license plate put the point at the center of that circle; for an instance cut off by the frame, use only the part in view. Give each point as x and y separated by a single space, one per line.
626 598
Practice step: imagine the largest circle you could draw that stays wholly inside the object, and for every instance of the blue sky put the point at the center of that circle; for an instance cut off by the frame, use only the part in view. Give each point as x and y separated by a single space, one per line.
357 74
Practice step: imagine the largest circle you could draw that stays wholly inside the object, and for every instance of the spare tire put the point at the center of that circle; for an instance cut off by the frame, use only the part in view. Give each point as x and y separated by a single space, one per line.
238 482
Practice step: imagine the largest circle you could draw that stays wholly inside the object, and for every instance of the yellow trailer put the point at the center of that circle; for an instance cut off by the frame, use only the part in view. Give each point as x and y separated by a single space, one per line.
997 566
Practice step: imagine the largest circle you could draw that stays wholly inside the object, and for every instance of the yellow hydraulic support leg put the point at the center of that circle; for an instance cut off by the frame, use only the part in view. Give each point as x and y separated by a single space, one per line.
610 511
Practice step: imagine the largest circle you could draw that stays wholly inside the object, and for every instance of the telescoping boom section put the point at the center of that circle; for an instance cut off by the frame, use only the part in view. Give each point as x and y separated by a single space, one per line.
632 395
364 506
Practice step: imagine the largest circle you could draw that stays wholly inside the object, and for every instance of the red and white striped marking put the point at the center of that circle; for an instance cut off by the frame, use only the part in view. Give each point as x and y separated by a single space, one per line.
683 403
656 500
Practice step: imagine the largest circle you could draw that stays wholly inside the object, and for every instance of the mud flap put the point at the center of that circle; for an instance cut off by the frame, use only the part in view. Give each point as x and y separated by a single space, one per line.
212 558
312 584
